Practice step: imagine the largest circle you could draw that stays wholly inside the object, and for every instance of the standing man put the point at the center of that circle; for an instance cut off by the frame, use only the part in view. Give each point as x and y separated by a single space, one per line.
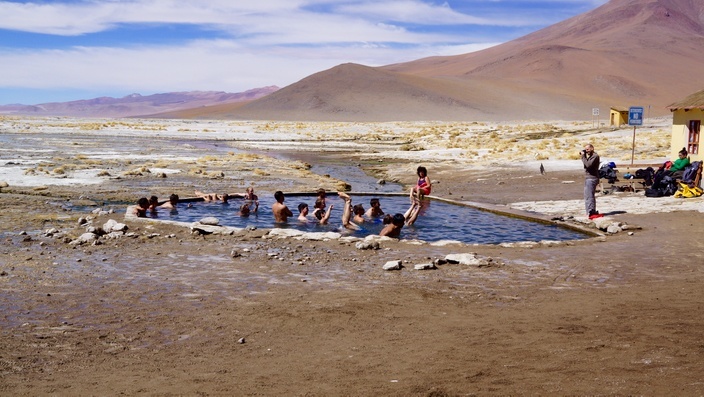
281 211
590 159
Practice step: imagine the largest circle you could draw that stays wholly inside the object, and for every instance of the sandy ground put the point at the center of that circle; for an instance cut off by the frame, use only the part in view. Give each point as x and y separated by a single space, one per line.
168 312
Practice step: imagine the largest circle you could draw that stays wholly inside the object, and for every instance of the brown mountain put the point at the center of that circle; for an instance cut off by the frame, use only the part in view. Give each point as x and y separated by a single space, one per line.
136 104
626 52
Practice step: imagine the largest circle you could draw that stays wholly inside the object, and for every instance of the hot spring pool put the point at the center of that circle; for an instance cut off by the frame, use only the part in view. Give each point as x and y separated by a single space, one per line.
437 220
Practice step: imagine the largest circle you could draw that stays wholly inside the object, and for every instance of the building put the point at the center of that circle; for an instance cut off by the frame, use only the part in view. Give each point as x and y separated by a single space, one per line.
618 116
687 116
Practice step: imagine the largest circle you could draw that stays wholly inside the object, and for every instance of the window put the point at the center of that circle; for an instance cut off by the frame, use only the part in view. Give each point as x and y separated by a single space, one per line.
693 139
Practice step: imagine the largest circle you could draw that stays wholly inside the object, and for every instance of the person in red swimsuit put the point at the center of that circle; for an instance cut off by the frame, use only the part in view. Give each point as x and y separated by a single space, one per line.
423 187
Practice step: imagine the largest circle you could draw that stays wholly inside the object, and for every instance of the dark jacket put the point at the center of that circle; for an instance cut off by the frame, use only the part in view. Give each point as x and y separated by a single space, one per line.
591 166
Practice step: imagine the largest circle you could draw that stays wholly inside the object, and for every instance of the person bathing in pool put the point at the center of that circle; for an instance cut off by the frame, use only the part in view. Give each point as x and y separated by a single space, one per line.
280 210
395 224
352 217
375 211
208 197
321 216
171 204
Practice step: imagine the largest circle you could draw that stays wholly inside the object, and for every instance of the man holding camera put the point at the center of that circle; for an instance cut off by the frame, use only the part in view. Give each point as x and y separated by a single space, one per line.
590 159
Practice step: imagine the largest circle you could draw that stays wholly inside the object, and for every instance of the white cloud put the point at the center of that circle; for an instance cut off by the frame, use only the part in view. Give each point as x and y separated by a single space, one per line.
260 43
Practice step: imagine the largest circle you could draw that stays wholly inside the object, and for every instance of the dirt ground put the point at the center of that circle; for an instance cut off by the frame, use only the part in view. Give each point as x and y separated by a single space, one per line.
172 313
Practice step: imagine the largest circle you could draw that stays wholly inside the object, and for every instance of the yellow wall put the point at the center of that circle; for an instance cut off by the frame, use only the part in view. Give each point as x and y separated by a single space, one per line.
617 118
680 132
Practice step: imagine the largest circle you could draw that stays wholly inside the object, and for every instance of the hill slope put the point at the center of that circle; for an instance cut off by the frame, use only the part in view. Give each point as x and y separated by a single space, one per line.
626 52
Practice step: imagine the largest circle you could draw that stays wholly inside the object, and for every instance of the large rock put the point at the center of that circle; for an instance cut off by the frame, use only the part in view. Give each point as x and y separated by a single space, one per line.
85 238
470 259
210 220
392 265
113 226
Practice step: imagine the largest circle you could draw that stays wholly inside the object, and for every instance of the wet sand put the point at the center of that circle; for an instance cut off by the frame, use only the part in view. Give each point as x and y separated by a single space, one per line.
169 312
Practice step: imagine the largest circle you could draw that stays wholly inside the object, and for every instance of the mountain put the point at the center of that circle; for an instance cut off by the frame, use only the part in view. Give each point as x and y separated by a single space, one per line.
624 53
136 104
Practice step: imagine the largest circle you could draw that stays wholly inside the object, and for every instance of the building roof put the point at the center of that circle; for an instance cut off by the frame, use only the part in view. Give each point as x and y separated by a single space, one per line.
694 101
619 109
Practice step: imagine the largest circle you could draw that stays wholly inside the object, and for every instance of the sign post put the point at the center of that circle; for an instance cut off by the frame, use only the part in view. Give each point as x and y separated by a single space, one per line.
595 113
635 118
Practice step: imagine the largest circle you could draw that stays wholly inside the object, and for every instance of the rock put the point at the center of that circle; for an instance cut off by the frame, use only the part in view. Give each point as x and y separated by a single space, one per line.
425 266
82 221
84 238
240 340
392 265
285 233
367 245
381 182
469 259
210 220
3 184
50 232
96 211
613 229
113 226
321 236
234 253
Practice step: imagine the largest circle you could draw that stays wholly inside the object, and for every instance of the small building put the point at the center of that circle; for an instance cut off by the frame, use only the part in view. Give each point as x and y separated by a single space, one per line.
687 116
618 116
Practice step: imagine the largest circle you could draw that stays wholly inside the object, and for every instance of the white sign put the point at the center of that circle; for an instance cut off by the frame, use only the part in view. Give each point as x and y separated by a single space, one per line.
595 111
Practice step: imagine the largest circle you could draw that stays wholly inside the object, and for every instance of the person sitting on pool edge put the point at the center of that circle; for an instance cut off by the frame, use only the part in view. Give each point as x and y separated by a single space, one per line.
375 211
423 186
280 210
171 204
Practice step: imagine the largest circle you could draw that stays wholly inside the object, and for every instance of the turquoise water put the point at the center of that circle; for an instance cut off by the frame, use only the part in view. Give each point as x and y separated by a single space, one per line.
437 220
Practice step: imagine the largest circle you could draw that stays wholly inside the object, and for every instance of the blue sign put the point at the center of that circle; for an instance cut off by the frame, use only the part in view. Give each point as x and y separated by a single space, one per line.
635 115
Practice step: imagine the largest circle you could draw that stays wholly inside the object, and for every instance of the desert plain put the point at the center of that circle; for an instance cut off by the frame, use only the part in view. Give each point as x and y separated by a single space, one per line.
163 311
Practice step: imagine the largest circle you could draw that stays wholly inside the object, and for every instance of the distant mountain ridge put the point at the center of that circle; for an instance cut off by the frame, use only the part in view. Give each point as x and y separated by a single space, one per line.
135 104
625 52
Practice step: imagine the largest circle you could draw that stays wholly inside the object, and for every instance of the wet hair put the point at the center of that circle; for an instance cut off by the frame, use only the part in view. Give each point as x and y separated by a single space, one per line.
154 199
321 192
279 196
319 203
173 198
244 209
318 214
421 169
224 197
373 201
387 219
143 202
683 152
398 220
358 209
302 206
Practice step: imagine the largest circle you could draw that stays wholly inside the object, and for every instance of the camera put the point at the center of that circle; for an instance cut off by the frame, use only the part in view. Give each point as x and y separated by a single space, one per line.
582 152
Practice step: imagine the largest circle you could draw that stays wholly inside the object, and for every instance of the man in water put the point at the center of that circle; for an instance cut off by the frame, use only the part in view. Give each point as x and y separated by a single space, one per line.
281 211
375 211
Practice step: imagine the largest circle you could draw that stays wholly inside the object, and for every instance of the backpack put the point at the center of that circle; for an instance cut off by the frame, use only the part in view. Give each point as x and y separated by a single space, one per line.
606 172
647 175
690 172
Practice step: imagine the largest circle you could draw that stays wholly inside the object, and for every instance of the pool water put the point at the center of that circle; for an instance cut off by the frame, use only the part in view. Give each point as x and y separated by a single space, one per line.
437 220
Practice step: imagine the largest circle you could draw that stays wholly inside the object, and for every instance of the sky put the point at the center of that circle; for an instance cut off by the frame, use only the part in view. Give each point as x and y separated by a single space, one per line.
56 51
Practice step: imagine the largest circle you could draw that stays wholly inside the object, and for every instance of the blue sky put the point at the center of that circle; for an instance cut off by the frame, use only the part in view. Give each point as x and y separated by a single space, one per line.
52 51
